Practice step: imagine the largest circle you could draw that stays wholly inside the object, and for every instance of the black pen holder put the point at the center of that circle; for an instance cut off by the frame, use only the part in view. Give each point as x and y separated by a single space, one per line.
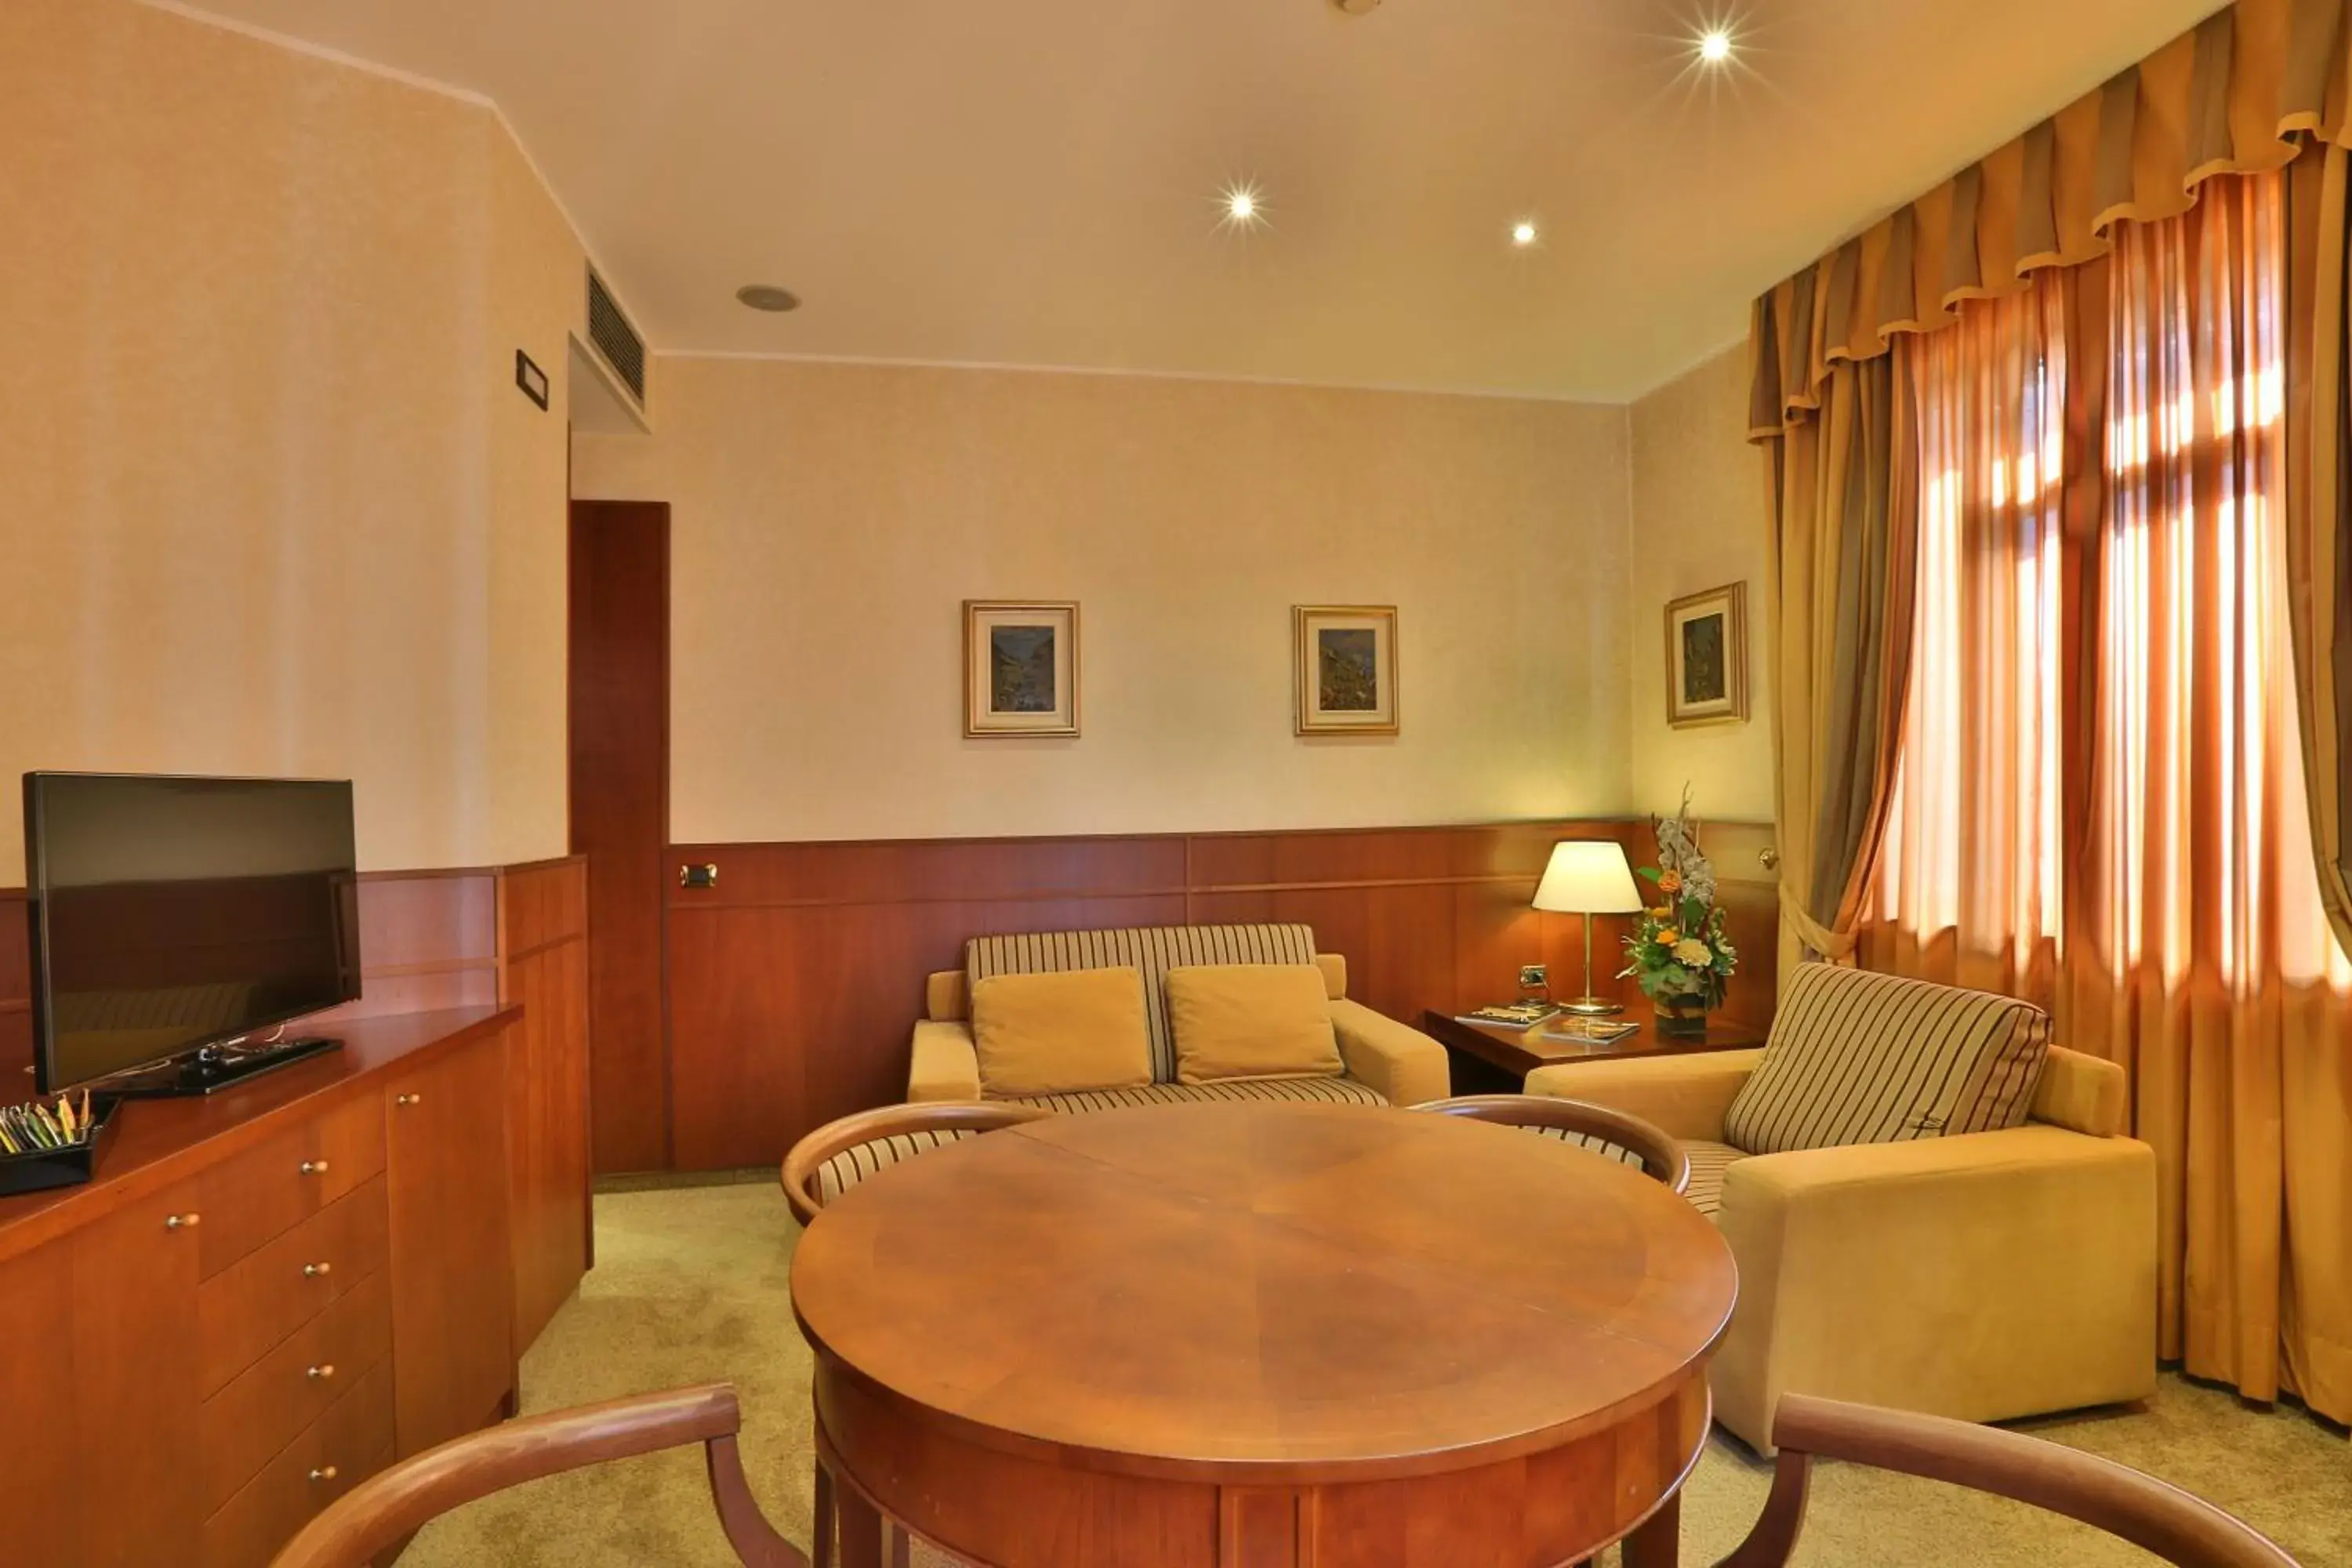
36 1170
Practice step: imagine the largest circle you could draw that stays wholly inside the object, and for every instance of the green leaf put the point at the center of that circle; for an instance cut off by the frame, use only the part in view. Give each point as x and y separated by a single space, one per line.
1650 873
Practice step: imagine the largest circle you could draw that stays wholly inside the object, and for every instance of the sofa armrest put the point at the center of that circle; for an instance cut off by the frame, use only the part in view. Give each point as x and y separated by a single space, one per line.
1984 1276
945 1067
1684 1095
1405 1065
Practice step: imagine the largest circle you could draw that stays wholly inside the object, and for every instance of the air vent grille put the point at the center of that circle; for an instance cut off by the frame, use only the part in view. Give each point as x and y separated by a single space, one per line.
614 338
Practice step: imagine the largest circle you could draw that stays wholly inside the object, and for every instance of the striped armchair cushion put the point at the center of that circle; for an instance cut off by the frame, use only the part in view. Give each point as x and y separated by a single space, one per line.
1857 1057
1155 950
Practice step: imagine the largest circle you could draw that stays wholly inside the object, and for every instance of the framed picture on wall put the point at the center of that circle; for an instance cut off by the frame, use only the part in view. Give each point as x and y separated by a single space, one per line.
1345 664
1707 658
1019 668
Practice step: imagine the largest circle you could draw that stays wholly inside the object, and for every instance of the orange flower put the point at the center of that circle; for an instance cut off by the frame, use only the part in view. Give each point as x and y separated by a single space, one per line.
1661 912
1668 937
1670 882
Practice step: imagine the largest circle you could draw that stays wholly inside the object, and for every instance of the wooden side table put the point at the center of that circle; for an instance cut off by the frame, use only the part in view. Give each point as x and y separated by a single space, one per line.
1495 1059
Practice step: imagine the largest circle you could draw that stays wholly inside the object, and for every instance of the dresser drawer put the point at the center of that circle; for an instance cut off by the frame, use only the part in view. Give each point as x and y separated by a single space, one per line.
293 1385
343 1447
248 1307
267 1190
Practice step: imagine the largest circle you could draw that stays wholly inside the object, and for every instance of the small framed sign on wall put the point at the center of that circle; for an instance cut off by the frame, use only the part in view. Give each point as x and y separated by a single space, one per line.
1707 658
1019 668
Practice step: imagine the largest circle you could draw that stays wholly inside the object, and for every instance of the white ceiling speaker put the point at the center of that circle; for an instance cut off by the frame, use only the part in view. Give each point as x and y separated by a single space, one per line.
1358 7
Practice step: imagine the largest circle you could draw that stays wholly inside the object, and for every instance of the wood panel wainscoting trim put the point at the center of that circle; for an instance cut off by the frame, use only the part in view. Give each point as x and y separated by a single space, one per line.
796 980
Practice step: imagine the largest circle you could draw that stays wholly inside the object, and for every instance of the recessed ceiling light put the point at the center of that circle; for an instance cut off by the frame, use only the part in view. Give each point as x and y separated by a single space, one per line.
1715 46
768 296
1357 7
1523 234
1245 205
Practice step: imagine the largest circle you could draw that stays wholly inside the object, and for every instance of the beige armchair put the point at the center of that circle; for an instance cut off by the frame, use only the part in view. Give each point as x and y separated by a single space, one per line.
1982 1276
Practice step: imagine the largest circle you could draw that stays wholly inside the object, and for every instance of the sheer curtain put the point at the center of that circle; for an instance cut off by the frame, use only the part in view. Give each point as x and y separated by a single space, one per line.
2129 840
1968 886
2204 960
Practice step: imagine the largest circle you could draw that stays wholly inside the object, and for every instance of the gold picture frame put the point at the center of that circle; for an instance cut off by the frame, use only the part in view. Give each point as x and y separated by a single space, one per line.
1707 658
1020 668
1344 669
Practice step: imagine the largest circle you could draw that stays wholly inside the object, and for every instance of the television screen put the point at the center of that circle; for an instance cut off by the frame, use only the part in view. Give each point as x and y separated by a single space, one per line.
171 913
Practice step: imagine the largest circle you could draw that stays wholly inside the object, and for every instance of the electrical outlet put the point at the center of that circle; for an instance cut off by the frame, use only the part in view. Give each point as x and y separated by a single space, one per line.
1534 977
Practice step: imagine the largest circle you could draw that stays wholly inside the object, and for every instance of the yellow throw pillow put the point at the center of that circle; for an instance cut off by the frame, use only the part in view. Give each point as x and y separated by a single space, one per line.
1251 1020
1061 1032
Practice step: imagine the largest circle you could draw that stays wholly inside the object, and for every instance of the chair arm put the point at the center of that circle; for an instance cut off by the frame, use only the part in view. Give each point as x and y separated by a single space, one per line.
1983 1277
1684 1095
945 1066
1406 1066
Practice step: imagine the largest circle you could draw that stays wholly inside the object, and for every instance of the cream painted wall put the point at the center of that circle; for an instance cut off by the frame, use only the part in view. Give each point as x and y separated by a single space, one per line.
828 520
268 501
1699 521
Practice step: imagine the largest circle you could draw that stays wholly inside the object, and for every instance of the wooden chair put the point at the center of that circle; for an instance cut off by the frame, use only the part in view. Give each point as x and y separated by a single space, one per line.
895 1133
884 1137
1661 1156
2160 1518
384 1511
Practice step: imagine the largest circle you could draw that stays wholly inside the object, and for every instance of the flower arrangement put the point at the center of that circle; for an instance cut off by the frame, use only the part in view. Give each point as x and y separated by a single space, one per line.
1678 953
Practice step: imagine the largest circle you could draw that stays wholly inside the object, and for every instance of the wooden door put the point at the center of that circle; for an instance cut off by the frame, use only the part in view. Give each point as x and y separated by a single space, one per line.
136 1400
452 1261
620 816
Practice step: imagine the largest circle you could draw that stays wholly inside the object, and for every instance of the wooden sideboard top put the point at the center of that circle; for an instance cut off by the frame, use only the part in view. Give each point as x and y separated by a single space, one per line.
164 1141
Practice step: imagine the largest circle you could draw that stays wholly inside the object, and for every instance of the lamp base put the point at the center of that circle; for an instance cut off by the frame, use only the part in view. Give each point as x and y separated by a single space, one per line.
1593 1008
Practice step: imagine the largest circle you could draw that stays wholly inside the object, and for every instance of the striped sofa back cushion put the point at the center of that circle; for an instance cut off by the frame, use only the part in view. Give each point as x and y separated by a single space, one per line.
1155 950
1857 1057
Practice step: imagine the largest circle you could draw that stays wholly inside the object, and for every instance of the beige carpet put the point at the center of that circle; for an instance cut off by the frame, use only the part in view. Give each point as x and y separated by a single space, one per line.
691 1285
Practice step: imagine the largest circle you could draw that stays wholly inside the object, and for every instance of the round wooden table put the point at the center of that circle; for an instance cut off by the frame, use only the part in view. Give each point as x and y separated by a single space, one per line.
1260 1334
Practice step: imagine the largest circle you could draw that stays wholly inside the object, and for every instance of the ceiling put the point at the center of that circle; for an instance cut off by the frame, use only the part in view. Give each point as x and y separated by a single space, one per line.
1035 182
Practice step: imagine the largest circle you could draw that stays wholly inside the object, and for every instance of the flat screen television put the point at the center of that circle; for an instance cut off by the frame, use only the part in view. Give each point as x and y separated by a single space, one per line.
177 922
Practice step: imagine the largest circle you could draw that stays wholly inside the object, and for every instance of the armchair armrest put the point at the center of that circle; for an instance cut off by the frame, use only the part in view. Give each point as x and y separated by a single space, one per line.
1405 1065
1984 1276
1684 1095
945 1065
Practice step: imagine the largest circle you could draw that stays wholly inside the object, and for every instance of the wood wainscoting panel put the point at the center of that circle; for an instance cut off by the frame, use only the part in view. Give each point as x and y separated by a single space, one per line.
1747 884
791 978
427 940
797 981
543 964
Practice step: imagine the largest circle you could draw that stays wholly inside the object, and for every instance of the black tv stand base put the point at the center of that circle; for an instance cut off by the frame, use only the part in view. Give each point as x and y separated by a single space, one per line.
215 1068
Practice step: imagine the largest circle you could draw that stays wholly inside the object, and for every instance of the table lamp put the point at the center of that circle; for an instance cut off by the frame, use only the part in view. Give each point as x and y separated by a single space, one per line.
1589 877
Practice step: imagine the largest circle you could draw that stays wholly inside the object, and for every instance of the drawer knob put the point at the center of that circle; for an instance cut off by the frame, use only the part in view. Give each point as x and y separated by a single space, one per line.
314 1167
407 1100
324 1473
322 1372
314 1271
183 1221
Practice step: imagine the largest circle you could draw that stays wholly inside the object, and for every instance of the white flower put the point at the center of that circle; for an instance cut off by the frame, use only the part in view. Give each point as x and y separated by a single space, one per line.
1693 951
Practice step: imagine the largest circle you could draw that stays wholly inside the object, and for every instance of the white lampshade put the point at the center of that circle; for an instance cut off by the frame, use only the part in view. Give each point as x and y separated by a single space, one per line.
1588 876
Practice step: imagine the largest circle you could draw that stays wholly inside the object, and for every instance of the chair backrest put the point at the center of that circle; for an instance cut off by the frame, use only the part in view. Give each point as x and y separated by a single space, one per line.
2180 1528
1596 1127
1154 950
387 1508
840 1154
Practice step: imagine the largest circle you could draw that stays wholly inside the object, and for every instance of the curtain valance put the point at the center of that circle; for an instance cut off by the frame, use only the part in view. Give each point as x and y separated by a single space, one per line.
2233 95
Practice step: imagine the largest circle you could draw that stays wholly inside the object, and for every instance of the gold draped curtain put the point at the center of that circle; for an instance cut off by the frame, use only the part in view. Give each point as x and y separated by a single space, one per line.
2115 815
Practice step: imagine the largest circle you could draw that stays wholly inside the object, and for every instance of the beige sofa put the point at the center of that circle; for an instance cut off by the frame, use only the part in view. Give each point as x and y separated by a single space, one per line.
1387 1063
1982 1275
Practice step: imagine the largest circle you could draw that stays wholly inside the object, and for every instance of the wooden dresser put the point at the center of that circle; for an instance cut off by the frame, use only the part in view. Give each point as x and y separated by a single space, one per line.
271 1294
